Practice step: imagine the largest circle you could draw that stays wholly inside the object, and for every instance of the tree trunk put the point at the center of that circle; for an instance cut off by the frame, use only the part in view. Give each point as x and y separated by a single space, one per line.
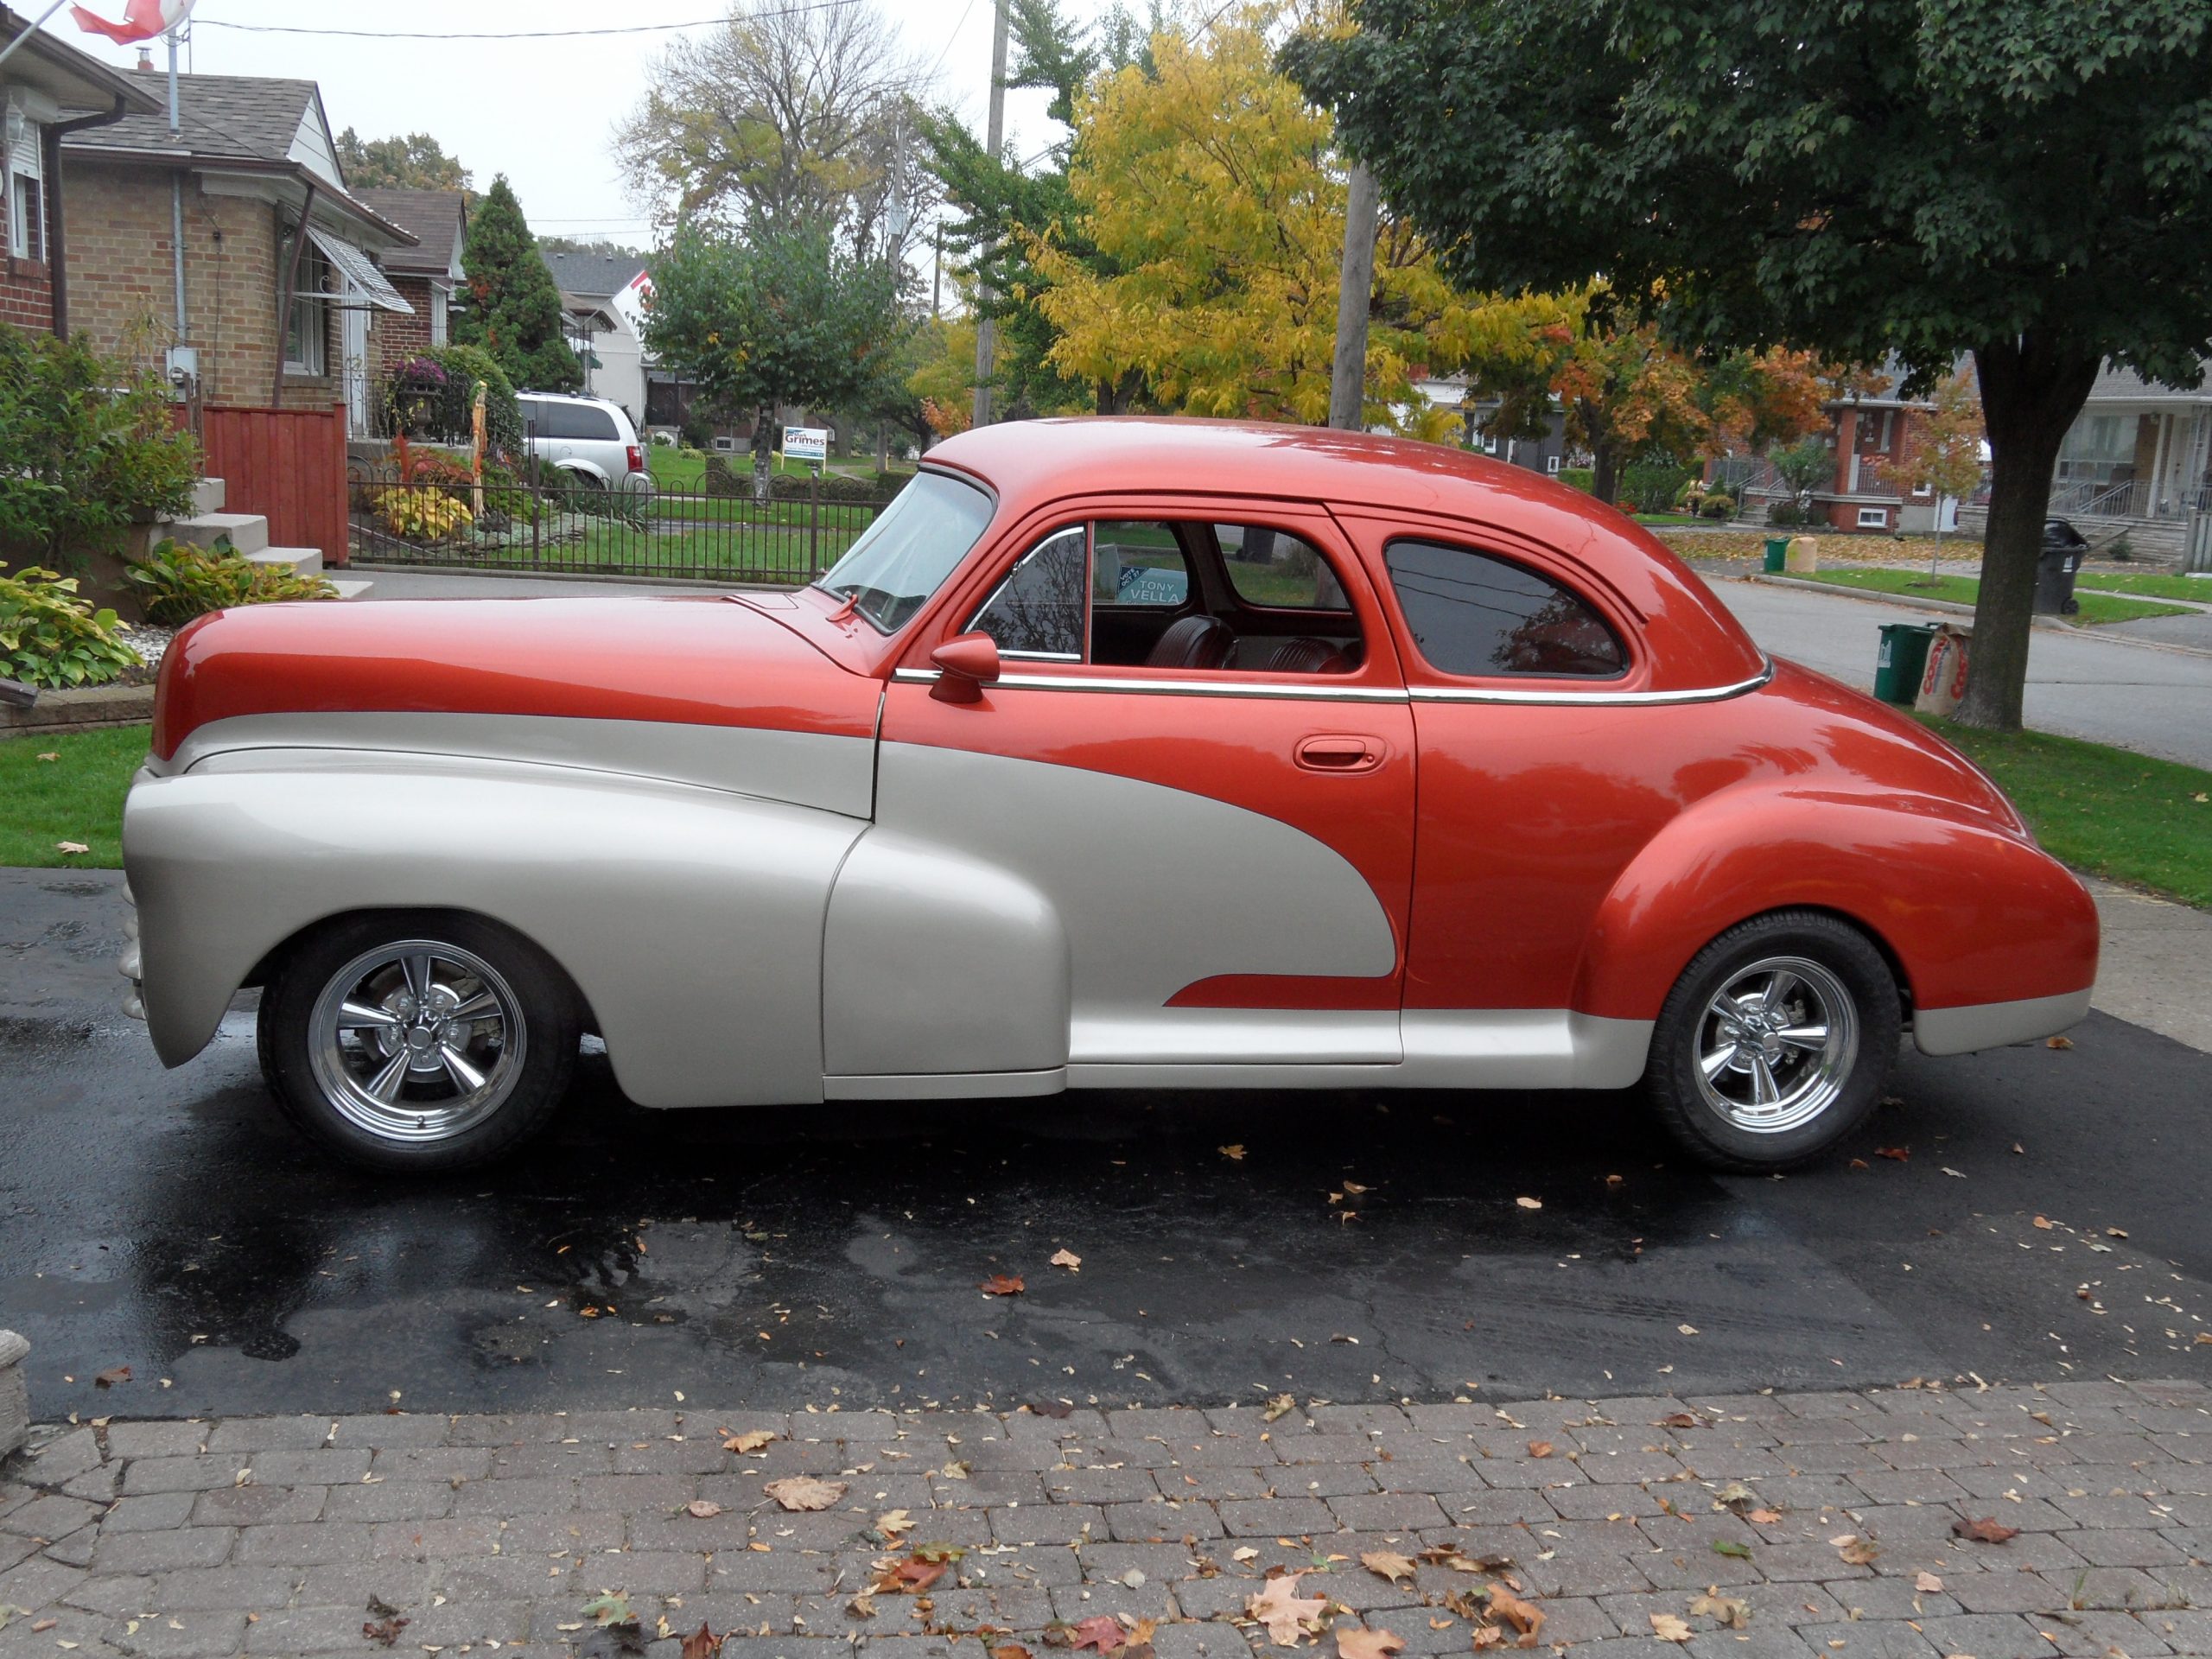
764 453
2032 388
1605 472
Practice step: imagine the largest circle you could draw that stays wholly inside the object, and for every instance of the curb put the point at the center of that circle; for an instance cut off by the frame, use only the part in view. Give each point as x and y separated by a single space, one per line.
94 709
1899 601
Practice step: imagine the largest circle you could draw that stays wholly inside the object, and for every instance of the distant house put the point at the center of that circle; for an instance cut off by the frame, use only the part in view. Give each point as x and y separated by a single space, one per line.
1870 432
48 89
603 297
274 283
1545 453
426 276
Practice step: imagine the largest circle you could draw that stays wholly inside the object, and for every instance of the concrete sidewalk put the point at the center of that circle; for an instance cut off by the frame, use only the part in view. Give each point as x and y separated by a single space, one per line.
1756 1526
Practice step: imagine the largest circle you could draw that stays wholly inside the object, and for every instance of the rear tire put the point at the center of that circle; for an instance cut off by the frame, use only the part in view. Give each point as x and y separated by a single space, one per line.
1776 1042
422 1041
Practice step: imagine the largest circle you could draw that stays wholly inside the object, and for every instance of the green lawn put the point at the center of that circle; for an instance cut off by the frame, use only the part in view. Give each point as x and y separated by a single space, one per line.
2106 810
2196 588
76 797
2095 607
673 470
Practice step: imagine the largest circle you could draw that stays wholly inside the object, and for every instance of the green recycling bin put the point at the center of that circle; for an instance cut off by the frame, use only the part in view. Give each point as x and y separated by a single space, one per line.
1778 554
1902 660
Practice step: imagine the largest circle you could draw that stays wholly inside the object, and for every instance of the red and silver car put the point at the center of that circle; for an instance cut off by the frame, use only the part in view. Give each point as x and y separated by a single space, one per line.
1125 753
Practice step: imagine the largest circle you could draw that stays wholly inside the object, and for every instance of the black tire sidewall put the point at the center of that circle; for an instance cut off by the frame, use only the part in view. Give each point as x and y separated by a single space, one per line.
1671 1079
546 1006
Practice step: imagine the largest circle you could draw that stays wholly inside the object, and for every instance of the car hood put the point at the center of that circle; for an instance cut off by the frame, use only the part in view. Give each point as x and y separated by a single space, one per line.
701 661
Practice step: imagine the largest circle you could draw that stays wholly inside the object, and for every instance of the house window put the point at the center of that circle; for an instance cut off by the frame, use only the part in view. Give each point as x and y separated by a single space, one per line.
1874 517
25 190
439 330
306 331
1551 465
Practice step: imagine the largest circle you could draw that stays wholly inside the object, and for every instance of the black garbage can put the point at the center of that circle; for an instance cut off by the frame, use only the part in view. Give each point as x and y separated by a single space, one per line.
2054 572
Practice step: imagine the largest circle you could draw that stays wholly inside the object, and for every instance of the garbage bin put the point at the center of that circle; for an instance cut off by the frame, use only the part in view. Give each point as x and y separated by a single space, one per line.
2055 573
1778 554
1902 660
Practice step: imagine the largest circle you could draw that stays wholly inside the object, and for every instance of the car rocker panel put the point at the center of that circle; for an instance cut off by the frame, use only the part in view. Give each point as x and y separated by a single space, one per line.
784 849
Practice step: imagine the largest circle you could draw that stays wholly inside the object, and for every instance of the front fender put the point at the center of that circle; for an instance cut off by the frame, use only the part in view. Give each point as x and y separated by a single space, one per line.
690 920
1972 913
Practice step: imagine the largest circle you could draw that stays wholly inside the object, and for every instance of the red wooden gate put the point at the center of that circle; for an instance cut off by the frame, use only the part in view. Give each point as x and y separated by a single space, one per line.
287 465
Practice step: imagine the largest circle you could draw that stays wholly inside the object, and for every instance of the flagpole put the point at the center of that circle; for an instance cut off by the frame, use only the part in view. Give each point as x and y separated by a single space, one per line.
8 51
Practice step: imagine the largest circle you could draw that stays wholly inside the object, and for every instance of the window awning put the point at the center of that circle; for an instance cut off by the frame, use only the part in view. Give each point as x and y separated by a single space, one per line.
358 269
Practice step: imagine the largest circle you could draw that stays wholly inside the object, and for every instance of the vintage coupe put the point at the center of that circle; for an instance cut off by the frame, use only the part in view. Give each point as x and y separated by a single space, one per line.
1119 753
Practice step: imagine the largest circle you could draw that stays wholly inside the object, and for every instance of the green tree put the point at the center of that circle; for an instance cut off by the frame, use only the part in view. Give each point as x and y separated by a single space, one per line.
514 307
416 161
786 317
2026 179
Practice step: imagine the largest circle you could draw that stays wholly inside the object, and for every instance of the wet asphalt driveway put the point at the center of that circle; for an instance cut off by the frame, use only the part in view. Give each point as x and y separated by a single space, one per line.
1360 1247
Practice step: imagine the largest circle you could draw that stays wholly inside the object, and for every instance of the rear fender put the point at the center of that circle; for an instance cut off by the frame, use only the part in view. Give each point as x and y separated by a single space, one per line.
690 919
1970 914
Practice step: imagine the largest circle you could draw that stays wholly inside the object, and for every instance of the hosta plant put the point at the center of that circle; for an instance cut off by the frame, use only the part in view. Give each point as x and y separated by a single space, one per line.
52 639
177 581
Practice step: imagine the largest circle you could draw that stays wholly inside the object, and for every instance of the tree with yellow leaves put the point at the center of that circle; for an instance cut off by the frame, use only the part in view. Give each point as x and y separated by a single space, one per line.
1210 187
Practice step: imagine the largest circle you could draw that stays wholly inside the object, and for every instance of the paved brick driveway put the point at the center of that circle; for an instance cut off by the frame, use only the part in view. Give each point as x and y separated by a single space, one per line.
269 1535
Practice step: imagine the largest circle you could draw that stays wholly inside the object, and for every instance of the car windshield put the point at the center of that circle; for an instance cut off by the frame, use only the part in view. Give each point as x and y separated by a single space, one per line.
914 545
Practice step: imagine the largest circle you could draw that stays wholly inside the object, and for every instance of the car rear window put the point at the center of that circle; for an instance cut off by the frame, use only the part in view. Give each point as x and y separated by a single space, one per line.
914 545
577 423
1476 615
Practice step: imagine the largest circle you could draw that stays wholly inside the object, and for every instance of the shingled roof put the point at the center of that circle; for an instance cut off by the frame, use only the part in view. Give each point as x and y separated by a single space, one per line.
434 217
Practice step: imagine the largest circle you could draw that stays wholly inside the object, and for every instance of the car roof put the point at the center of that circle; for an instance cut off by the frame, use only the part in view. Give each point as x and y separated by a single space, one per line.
570 398
1693 640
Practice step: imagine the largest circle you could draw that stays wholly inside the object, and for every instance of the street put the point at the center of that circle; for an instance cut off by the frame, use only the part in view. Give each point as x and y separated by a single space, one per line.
1346 1248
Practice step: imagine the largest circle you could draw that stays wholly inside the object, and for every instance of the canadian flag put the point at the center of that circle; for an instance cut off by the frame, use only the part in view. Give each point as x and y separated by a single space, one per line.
141 20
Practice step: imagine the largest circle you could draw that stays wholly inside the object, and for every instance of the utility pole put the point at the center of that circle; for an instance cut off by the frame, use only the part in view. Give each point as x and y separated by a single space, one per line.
986 330
1348 374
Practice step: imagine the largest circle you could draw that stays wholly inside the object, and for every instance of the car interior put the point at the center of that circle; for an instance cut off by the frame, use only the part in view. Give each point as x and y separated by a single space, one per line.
1177 595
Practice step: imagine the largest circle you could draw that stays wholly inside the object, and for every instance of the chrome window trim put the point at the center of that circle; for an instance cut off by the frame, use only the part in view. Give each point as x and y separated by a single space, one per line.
1354 693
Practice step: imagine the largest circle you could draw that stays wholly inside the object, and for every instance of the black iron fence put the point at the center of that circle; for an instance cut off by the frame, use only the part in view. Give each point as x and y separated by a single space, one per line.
430 519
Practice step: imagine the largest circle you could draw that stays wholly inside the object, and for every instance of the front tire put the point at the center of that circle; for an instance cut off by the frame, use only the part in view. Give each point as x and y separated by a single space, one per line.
417 1041
1776 1042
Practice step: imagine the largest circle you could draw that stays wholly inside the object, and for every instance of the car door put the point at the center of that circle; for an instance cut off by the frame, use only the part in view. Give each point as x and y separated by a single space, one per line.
1228 849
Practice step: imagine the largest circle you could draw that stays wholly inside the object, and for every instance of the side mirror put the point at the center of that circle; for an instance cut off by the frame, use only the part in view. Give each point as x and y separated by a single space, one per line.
966 665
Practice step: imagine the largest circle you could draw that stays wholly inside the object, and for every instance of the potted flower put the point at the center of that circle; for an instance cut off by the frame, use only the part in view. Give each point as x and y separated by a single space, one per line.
418 390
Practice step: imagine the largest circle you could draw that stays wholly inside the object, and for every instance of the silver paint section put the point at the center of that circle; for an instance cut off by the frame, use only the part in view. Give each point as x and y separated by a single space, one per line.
836 774
949 1085
690 920
936 961
1156 888
1993 1025
1240 1037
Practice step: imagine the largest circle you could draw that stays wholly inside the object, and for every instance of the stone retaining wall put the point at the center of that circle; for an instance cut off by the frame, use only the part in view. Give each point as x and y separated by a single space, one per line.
92 709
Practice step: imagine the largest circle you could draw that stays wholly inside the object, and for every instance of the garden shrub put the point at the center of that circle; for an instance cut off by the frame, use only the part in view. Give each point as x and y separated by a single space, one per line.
1716 505
722 480
444 410
1652 485
1578 478
178 581
50 637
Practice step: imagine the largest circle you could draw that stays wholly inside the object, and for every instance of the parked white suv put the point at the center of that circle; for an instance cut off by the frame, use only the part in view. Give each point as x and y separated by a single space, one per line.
589 438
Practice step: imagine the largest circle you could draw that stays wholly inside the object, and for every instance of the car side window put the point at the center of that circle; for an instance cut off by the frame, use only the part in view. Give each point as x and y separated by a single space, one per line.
1478 615
1040 610
1139 565
1277 570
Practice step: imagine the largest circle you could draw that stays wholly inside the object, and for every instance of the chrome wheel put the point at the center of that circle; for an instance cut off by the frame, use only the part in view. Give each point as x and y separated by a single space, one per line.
416 1041
1775 1046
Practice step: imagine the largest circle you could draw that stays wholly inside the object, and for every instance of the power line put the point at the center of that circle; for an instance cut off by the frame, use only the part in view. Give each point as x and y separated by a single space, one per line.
512 35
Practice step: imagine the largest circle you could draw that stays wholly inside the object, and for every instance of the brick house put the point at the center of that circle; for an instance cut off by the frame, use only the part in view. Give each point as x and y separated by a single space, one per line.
271 318
1870 432
426 276
47 91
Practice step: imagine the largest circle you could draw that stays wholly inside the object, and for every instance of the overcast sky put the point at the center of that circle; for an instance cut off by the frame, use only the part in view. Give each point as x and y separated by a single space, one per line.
541 111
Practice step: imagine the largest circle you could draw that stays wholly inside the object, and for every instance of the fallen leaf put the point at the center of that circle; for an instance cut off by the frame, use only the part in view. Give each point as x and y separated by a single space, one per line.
1539 1448
72 848
862 1605
2043 1224
1667 1628
612 1608
384 1631
1735 1495
2058 1042
1509 1609
1244 1553
751 1440
1858 1552
702 1643
49 757
1234 1153
1353 1643
892 1522
1529 1203
1957 1175
1384 1565
805 1492
1003 1284
1987 1530
1762 1517
1284 1612
702 1508
2116 1232
1687 1330
113 1374
1927 1583
1100 1635
1730 1547
1898 1154
1680 1420
1010 1650
1616 1180
908 1578
1734 1614
1281 1405
1067 1259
